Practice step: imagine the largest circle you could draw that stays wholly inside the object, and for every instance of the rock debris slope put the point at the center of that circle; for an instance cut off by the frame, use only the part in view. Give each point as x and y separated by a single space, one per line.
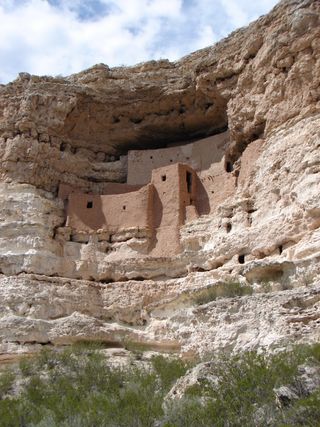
262 83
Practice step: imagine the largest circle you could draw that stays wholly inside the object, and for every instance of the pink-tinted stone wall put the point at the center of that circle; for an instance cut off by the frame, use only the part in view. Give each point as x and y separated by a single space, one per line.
199 155
87 212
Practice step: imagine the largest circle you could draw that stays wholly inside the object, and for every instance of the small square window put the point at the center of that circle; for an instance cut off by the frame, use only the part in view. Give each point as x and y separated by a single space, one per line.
163 177
124 207
89 205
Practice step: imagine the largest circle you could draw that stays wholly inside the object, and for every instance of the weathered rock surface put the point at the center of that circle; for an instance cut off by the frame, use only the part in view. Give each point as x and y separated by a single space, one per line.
263 83
163 315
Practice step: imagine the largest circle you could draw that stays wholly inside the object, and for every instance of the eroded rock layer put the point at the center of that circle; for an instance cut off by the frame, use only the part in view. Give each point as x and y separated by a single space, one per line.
261 228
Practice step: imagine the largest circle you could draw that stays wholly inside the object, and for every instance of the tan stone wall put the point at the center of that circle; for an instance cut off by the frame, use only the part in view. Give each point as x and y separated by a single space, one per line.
160 206
213 187
199 155
117 188
65 190
177 194
171 197
188 190
163 206
109 188
87 212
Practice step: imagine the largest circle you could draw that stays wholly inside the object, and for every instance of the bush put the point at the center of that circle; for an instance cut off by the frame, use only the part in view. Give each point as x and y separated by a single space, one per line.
245 396
26 367
168 370
76 388
7 378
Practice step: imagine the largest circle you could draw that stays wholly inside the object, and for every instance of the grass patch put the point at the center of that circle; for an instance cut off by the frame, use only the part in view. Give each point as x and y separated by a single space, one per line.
222 290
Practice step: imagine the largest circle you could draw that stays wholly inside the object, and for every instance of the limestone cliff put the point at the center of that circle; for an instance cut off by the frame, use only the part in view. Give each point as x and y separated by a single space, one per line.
262 83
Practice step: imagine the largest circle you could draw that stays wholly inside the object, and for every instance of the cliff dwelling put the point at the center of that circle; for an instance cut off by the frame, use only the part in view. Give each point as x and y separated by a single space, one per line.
131 215
165 188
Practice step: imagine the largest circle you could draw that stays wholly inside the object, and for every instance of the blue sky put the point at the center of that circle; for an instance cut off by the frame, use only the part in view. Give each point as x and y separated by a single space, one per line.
60 37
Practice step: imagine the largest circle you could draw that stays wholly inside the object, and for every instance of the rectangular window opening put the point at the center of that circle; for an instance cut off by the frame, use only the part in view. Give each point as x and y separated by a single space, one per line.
189 181
89 205
164 177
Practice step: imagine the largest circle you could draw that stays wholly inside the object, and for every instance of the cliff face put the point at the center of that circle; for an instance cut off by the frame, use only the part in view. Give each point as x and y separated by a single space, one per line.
263 84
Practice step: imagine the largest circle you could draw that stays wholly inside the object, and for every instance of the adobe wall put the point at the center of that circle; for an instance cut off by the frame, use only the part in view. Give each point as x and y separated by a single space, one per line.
65 190
162 206
118 188
199 155
171 196
109 188
213 187
188 193
87 212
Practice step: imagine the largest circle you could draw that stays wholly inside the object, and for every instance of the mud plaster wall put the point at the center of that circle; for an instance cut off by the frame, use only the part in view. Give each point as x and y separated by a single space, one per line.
171 196
199 155
109 188
87 212
215 184
213 187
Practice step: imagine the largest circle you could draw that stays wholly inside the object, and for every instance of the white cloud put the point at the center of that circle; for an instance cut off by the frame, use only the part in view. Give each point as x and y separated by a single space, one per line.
66 36
235 12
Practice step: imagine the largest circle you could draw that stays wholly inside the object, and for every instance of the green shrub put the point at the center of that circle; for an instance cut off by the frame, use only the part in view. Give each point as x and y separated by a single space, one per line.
7 378
308 352
26 366
305 412
76 388
245 388
168 370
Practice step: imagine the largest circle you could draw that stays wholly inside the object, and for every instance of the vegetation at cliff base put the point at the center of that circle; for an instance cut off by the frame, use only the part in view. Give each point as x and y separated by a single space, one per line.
78 387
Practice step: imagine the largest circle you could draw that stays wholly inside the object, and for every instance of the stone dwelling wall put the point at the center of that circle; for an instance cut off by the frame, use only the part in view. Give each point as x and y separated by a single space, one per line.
87 212
161 206
188 192
117 188
171 197
214 186
109 188
199 155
